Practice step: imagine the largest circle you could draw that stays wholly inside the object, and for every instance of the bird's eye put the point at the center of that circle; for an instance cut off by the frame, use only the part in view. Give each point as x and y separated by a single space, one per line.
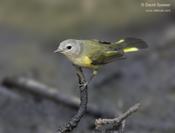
69 47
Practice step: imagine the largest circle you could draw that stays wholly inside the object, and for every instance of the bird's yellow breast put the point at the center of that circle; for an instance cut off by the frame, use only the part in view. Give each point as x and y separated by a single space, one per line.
83 61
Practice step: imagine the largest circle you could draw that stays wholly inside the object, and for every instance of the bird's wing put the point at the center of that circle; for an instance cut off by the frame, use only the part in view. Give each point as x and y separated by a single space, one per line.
102 42
102 52
103 57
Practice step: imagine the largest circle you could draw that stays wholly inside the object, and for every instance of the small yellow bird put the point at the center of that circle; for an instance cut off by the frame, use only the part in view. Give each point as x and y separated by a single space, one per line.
94 53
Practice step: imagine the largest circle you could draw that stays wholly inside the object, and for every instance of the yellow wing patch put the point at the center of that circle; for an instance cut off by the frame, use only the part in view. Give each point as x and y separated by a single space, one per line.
133 49
120 41
110 53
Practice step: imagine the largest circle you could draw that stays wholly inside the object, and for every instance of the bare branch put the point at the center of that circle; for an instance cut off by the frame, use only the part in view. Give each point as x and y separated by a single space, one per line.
70 125
114 124
41 90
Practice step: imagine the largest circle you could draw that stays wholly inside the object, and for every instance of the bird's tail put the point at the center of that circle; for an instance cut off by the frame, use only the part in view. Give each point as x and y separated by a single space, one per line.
130 44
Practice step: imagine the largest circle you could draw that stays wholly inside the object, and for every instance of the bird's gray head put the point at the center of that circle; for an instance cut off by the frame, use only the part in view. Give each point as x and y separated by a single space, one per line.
70 47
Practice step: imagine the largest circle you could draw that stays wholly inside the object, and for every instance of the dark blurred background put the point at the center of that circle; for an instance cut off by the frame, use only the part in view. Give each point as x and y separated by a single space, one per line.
31 30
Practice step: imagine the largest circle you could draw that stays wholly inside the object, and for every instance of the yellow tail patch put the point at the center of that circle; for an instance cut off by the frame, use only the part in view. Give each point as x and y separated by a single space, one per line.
133 49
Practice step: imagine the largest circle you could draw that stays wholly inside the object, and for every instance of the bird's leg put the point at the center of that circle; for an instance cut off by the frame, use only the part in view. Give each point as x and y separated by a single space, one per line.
94 73
84 83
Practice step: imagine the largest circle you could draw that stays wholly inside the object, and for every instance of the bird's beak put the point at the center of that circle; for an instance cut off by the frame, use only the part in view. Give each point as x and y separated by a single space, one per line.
58 51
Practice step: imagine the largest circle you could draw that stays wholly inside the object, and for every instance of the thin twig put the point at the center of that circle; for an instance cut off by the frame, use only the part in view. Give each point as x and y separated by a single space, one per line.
70 125
114 124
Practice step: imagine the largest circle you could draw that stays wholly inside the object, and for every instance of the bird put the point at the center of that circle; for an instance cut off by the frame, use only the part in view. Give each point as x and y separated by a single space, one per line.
94 53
